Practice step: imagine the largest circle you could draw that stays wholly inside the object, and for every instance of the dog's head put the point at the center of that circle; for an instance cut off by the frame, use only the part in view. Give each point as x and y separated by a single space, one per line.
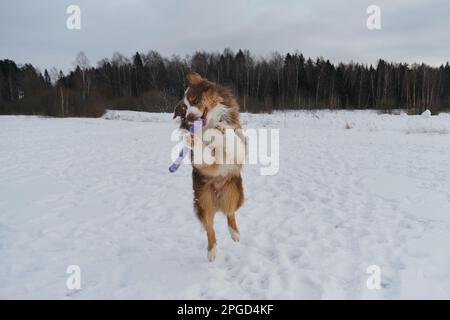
200 97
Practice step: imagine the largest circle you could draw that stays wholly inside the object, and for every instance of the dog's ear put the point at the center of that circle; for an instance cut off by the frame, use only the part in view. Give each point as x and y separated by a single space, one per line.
180 111
200 92
193 78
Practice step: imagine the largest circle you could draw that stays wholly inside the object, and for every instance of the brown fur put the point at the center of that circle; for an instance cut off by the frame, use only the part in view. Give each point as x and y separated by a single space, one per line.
205 95
180 111
214 192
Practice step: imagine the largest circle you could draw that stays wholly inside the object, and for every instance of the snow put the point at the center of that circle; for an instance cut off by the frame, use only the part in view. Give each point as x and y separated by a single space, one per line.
354 189
426 114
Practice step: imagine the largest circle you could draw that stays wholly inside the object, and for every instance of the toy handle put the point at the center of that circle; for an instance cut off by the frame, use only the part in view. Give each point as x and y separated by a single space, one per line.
198 123
174 167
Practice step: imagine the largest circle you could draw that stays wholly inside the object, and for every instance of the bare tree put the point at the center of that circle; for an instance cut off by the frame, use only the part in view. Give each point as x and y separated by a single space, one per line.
83 63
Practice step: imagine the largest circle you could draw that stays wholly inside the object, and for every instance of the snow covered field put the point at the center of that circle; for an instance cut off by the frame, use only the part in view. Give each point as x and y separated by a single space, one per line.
354 189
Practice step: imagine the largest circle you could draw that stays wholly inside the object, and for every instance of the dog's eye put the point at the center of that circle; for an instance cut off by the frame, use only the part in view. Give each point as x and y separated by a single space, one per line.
193 99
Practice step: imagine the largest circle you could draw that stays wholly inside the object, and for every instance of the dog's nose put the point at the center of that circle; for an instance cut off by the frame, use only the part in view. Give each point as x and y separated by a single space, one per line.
191 117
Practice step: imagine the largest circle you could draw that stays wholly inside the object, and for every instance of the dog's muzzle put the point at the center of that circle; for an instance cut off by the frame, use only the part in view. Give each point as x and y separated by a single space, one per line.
194 113
191 117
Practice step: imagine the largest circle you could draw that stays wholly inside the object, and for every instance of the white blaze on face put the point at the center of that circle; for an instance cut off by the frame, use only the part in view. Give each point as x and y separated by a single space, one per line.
190 108
193 110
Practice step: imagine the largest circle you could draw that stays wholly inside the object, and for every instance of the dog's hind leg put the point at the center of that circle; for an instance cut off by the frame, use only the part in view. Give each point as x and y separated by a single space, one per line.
211 235
232 226
206 214
232 199
206 217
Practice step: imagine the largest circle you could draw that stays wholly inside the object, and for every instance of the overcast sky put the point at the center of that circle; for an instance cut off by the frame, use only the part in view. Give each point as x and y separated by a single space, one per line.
412 30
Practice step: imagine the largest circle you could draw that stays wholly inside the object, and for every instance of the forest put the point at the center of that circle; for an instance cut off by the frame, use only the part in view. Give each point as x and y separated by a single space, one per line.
154 83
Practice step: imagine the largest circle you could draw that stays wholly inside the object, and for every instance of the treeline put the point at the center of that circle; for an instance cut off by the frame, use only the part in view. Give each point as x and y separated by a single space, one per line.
151 82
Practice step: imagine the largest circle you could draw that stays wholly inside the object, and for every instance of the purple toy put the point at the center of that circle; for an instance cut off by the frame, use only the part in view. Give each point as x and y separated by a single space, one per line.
198 123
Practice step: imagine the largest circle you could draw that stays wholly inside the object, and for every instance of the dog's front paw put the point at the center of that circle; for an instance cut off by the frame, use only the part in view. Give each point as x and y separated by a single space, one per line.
212 254
221 127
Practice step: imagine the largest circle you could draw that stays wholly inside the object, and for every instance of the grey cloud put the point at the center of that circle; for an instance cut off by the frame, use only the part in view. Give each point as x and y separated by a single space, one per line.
412 31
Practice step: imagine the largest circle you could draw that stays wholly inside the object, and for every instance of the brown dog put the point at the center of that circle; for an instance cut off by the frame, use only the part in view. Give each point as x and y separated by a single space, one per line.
218 184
